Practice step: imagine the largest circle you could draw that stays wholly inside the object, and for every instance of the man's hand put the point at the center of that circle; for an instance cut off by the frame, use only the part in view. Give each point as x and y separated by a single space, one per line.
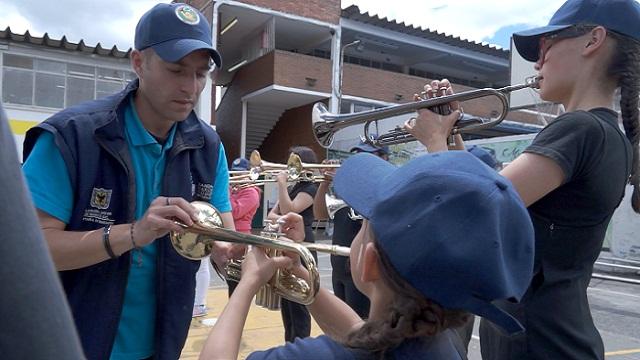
160 218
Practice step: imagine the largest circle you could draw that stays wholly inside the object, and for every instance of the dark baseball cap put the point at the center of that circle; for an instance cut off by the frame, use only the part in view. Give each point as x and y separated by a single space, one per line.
621 16
452 227
364 146
483 155
240 164
174 31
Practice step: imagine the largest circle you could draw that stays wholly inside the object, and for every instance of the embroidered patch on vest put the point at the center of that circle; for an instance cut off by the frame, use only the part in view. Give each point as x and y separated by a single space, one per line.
101 198
204 191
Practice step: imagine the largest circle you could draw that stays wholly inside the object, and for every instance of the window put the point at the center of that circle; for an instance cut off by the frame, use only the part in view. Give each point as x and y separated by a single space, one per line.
106 88
79 90
49 90
17 61
57 84
17 86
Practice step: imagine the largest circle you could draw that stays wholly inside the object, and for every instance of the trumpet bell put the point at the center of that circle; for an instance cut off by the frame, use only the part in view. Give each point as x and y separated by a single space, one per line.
195 246
196 242
322 131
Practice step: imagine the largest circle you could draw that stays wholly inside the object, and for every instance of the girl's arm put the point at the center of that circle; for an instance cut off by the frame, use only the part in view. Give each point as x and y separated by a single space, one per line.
224 340
334 316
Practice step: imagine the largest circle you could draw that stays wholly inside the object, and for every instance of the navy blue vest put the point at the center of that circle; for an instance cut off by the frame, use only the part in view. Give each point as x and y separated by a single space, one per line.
90 137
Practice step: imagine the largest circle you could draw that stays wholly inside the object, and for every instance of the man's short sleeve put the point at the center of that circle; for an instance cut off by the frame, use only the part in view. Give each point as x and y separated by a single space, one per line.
220 197
48 179
574 141
319 348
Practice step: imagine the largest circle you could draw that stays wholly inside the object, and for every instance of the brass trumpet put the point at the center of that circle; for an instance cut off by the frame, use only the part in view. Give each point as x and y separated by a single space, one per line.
296 167
326 124
197 243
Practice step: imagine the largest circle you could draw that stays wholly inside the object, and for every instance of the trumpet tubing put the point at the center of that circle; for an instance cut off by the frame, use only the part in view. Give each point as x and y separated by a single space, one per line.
326 124
196 242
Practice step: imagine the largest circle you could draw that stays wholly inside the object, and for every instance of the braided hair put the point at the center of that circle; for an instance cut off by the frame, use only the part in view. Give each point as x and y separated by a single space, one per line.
625 67
411 315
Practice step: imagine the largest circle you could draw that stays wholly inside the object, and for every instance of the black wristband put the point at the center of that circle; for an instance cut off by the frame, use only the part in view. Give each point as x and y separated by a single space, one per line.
106 243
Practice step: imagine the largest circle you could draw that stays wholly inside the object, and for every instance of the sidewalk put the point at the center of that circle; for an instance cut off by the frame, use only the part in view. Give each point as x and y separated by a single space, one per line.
263 329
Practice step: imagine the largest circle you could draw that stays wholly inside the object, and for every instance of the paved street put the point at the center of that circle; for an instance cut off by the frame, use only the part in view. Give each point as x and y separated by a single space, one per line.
615 307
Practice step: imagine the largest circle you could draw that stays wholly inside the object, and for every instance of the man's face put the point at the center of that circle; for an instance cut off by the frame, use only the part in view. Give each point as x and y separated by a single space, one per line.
172 89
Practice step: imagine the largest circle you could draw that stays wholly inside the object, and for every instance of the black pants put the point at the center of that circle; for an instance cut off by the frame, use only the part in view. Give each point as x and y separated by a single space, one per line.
296 320
345 289
295 317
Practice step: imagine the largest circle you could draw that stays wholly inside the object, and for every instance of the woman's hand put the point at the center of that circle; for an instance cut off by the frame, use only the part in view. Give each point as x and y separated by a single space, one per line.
430 128
329 173
282 178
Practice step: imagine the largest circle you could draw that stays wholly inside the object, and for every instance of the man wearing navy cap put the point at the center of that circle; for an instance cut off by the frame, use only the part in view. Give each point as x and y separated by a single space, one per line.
110 176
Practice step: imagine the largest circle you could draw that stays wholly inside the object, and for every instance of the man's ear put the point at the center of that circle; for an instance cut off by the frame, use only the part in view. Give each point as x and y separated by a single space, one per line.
370 263
137 58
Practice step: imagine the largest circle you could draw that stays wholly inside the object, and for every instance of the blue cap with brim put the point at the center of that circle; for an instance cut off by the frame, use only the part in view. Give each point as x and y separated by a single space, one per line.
240 164
621 16
174 31
452 227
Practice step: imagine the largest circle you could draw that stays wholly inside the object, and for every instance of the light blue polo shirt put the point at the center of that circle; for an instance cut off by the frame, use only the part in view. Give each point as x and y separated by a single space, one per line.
50 187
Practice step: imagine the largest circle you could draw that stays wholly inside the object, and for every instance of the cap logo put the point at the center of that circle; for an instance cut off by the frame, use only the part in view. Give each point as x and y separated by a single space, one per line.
187 15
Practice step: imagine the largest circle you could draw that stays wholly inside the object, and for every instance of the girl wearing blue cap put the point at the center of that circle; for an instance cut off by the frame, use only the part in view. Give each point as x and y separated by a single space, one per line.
418 264
574 174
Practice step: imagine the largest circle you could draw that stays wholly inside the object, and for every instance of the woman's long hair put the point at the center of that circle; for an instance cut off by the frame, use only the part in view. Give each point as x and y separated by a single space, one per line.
625 67
411 316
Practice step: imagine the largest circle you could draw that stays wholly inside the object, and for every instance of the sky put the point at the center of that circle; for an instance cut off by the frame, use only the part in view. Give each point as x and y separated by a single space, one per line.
112 22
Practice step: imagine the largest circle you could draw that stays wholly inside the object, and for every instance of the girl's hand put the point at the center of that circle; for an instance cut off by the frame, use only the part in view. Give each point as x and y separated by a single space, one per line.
292 226
258 268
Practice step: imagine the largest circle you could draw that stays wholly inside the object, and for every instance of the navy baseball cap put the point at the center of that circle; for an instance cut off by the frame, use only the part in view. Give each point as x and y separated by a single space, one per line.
174 31
621 16
366 147
452 227
483 155
240 164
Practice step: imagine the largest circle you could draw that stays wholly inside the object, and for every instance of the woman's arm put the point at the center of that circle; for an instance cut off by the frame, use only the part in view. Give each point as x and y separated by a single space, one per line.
533 176
319 203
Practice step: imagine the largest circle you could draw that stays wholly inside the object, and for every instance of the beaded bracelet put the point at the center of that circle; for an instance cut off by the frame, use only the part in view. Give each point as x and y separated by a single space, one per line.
135 246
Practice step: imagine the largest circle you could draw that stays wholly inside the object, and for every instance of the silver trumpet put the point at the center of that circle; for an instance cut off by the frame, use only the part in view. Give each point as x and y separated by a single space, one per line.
334 204
326 124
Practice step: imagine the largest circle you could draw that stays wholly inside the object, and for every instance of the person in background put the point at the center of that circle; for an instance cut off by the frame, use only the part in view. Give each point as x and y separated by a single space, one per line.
574 174
109 178
344 230
245 201
297 199
423 264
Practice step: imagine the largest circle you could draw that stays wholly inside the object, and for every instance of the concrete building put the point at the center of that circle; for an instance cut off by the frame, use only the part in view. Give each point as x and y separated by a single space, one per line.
40 76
